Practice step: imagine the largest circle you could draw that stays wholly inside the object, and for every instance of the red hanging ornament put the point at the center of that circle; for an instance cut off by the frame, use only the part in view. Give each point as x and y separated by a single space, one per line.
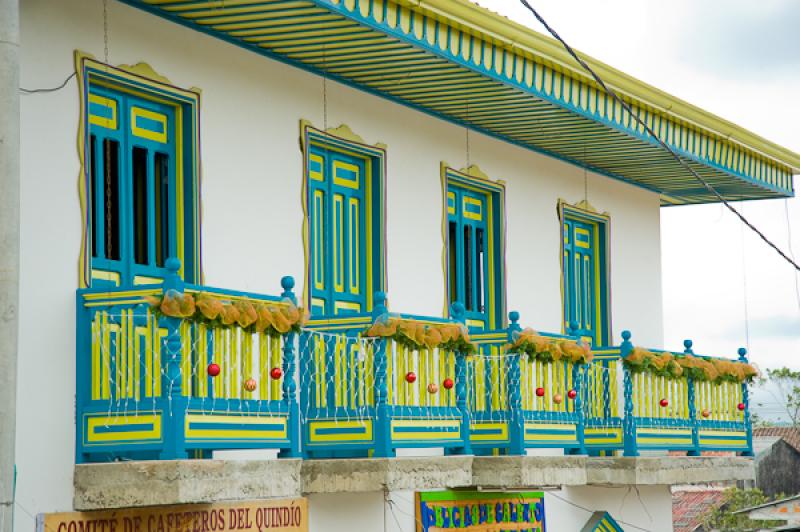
213 370
433 388
572 394
706 412
250 385
539 392
448 383
663 402
740 406
276 373
411 377
557 398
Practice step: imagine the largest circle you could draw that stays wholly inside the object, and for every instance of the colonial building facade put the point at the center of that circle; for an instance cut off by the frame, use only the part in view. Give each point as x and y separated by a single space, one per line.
390 255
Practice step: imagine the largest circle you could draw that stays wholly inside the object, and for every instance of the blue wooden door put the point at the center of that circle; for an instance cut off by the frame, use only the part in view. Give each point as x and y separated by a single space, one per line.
338 223
581 275
133 194
468 250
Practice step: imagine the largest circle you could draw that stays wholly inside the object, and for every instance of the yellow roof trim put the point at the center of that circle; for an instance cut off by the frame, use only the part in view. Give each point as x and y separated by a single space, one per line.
549 51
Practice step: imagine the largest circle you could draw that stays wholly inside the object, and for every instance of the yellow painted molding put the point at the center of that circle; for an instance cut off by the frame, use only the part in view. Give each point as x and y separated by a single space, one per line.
344 132
545 50
474 170
582 205
146 71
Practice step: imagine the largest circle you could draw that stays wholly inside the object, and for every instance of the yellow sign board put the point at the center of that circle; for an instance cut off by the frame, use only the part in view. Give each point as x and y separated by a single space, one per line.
272 515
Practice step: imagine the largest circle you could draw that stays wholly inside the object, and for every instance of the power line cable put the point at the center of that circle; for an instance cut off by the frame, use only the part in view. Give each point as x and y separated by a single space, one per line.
650 132
49 89
585 509
791 250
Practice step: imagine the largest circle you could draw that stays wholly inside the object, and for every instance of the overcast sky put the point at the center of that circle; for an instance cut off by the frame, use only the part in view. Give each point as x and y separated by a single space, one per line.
739 59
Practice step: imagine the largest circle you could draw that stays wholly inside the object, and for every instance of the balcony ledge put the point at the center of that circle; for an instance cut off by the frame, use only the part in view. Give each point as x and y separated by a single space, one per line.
136 484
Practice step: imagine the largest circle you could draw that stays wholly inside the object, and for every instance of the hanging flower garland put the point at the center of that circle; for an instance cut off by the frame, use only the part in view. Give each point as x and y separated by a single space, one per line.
547 349
700 369
215 311
418 335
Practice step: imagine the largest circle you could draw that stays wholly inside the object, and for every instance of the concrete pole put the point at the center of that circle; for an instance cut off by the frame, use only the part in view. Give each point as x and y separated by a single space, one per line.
9 250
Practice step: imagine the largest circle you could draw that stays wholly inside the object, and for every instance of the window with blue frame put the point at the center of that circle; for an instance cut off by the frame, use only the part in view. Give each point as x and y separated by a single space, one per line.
584 268
475 239
140 180
345 227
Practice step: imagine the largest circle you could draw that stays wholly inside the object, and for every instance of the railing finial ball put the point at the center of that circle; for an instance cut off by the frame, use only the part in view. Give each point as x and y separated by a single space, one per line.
688 344
287 282
626 335
513 316
173 264
457 310
742 353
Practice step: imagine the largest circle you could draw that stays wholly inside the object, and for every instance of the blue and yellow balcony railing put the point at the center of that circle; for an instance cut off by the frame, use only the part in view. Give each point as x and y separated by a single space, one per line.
370 396
663 413
511 410
158 387
151 386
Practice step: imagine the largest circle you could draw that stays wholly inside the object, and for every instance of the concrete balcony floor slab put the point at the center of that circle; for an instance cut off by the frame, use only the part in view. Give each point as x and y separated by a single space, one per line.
135 484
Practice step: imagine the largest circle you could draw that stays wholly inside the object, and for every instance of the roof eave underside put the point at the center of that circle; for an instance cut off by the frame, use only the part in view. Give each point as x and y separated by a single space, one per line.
456 74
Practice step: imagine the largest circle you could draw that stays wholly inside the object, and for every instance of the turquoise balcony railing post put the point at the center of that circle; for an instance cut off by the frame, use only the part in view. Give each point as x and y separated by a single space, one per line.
289 385
173 400
630 448
516 422
83 342
693 421
748 426
383 436
578 372
458 313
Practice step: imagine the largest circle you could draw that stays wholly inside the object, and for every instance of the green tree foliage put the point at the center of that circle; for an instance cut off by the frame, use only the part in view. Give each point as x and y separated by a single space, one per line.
723 519
787 384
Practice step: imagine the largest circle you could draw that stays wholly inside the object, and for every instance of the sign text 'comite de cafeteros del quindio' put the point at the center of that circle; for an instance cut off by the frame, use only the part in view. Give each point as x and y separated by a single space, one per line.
473 511
278 515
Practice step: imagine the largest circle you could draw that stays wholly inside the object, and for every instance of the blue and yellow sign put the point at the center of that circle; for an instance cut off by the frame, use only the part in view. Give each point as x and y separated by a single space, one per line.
476 511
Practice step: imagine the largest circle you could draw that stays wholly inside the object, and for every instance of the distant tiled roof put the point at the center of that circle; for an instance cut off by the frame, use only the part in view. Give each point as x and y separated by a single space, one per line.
789 434
689 506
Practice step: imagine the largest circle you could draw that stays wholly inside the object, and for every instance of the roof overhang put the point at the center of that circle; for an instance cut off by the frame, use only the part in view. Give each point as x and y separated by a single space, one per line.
462 63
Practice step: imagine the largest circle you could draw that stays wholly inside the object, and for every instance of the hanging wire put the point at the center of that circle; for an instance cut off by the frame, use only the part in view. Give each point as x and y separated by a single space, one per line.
655 137
466 129
791 250
48 89
585 178
744 290
105 31
324 91
585 509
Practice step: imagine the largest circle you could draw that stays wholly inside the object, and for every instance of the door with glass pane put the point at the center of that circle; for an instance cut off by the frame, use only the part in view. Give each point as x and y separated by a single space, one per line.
338 212
469 253
133 193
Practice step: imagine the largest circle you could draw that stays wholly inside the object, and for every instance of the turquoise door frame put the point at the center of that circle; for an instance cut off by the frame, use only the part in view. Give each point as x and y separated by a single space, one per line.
584 275
133 188
474 238
339 214
468 215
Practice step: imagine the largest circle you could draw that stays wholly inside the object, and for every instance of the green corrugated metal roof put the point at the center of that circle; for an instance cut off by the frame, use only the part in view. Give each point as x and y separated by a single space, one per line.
460 62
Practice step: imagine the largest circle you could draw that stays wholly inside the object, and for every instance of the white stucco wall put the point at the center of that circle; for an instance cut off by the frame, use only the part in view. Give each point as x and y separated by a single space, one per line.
251 185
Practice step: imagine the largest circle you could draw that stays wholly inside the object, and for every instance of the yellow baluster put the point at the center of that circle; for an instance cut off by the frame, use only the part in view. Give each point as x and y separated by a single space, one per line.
402 369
